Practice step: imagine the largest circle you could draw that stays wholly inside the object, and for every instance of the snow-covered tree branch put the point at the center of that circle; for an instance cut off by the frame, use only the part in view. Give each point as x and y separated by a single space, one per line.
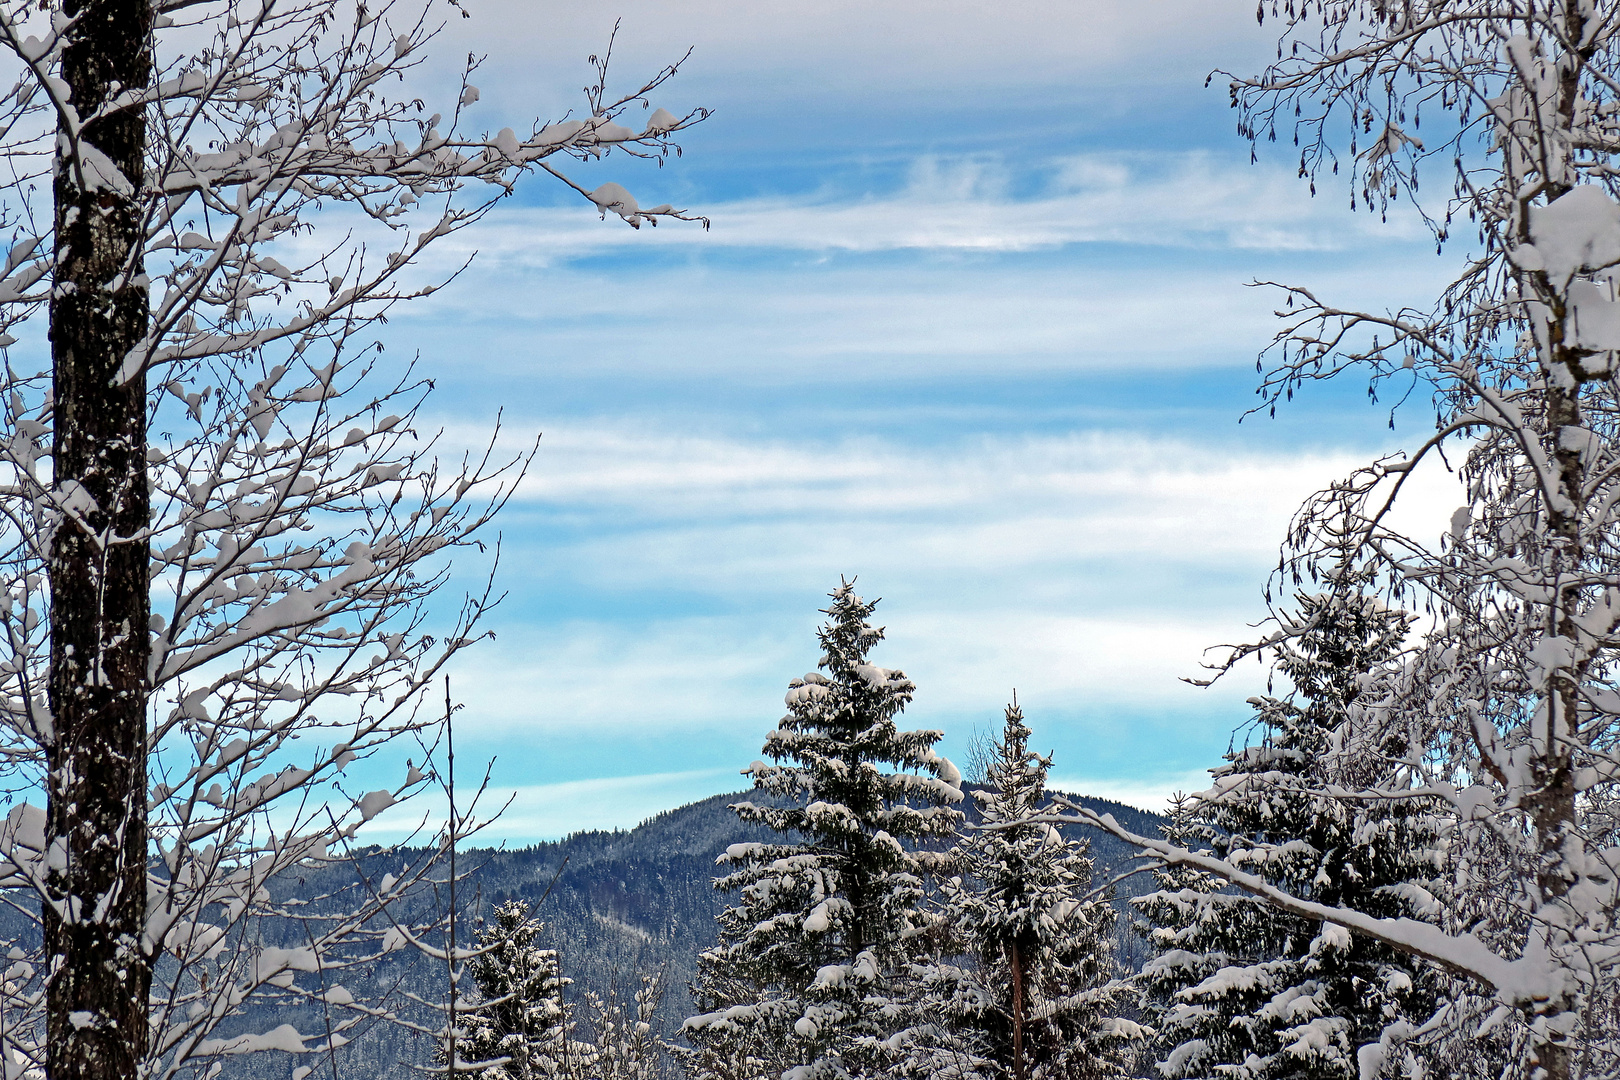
1505 714
221 517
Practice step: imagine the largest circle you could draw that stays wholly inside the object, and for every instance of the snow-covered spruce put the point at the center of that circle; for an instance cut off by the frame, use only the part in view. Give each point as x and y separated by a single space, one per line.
517 1026
810 972
517 1023
1031 989
1238 989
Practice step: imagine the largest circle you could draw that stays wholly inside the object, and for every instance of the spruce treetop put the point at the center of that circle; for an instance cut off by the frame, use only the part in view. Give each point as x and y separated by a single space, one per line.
813 958
840 731
518 1026
1026 988
1027 874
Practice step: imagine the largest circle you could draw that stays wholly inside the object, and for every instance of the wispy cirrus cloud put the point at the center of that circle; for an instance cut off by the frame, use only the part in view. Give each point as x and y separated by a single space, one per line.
982 204
971 265
784 60
1090 571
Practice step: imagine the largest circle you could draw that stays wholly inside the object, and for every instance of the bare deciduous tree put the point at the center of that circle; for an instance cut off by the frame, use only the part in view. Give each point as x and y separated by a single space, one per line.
1507 711
220 524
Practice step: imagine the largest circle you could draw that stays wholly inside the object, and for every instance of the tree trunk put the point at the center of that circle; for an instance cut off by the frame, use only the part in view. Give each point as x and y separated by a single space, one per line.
1550 800
100 971
1017 964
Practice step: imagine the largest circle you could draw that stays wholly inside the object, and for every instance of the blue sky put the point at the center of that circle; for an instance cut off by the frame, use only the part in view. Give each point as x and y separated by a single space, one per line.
972 323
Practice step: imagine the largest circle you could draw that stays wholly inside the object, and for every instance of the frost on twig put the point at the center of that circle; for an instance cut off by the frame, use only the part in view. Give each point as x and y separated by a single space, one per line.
1505 714
304 517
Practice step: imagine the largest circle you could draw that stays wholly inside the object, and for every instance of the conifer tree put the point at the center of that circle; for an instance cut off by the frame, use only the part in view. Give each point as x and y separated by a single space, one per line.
813 956
521 1016
1239 989
1187 922
1036 999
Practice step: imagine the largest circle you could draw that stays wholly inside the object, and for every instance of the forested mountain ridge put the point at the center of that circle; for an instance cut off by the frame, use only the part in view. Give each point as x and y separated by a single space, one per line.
615 904
634 901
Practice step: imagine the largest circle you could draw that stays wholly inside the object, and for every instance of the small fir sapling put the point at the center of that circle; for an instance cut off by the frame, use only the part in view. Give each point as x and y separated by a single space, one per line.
517 1027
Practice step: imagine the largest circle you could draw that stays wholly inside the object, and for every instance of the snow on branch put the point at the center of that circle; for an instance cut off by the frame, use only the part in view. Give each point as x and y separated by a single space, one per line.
1502 713
304 515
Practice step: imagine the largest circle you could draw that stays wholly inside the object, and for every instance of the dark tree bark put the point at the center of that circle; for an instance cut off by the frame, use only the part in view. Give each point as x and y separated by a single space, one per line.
1016 963
100 973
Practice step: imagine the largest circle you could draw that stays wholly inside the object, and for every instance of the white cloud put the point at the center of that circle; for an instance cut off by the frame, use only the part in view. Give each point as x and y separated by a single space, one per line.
803 322
983 501
1104 260
969 205
723 676
1152 793
537 812
1133 261
754 54
659 673
1094 569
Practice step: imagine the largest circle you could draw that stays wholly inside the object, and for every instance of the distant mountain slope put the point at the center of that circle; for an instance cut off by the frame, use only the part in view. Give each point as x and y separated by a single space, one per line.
619 904
642 899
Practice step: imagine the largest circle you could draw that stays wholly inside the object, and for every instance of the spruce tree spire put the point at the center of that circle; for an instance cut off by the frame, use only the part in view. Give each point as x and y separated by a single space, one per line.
521 1016
1038 996
828 919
